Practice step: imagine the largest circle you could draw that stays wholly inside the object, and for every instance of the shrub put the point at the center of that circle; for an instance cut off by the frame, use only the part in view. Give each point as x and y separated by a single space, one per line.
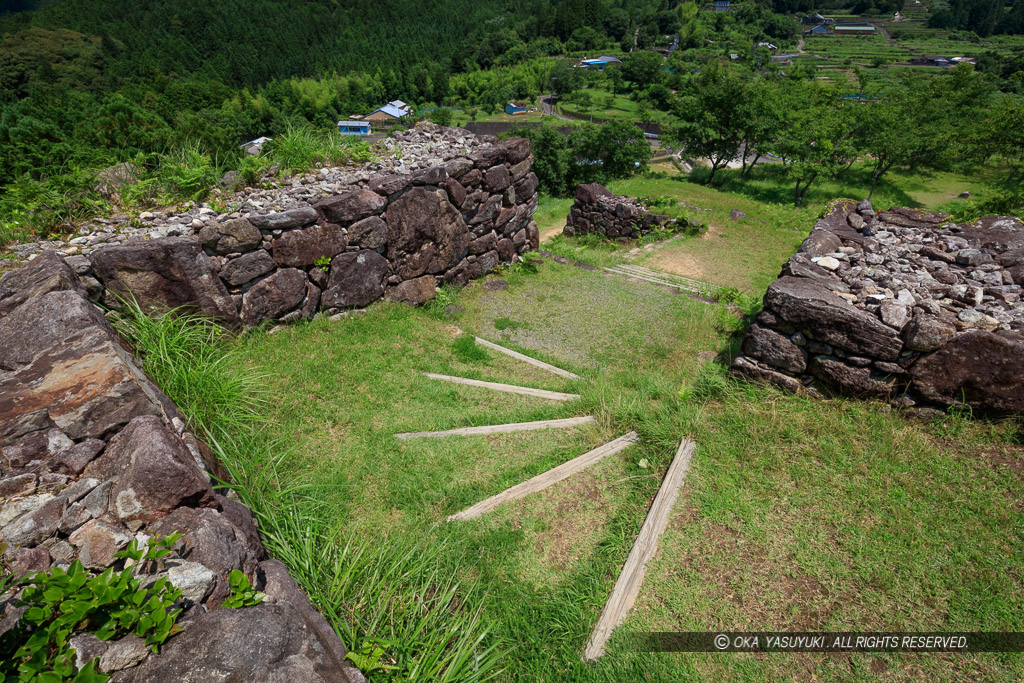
187 172
28 205
59 604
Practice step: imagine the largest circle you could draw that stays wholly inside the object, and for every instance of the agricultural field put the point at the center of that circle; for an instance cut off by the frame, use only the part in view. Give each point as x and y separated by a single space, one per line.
859 49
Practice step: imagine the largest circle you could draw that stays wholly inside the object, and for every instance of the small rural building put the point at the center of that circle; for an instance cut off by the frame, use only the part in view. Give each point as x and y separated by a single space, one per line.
817 31
599 63
770 46
929 60
399 104
352 127
389 112
853 30
817 20
721 5
515 108
254 147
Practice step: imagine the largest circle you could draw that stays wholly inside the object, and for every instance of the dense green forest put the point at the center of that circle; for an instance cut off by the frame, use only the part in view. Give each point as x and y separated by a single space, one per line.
176 84
108 77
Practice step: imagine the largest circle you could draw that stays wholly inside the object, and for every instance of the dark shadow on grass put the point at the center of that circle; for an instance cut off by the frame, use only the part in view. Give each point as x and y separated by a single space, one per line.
769 183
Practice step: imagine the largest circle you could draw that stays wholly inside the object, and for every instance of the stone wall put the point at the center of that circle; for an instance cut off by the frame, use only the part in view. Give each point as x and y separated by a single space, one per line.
93 455
902 305
596 210
394 236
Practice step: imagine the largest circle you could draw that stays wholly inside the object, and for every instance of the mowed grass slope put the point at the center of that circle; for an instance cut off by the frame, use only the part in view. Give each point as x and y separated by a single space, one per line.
796 515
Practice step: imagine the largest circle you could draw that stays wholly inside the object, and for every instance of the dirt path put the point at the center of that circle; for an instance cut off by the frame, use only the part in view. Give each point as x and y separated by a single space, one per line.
550 231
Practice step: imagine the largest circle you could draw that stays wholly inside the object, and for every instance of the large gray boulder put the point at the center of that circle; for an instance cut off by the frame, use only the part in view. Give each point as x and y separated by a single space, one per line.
46 273
413 292
517 150
812 308
351 206
247 267
774 349
425 216
982 369
285 220
274 296
850 379
369 233
230 236
298 248
85 386
211 539
273 643
155 473
356 280
42 322
163 274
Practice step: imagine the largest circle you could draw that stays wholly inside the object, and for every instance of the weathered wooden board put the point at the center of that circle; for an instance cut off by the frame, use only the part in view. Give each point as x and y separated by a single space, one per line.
552 476
508 388
526 359
500 429
627 587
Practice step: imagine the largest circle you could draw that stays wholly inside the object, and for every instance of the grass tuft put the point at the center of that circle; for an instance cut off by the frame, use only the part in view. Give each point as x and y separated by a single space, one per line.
466 349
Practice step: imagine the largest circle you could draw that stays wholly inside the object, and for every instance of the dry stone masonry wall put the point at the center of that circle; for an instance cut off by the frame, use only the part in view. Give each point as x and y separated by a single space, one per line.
599 211
903 305
92 456
330 241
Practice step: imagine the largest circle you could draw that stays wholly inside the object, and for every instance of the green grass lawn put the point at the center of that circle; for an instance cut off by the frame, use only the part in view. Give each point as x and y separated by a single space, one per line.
796 515
621 108
748 254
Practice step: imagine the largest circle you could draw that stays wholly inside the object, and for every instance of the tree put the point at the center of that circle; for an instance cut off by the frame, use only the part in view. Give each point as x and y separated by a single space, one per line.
762 118
711 116
621 148
442 116
564 78
818 139
584 101
642 68
552 157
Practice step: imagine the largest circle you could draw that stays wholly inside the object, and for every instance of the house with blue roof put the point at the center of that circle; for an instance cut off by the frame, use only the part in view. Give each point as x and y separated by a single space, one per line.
353 127
599 63
392 111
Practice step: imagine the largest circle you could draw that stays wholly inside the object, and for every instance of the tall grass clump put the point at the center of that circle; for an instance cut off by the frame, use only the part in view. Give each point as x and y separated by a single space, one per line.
396 606
190 358
187 172
299 148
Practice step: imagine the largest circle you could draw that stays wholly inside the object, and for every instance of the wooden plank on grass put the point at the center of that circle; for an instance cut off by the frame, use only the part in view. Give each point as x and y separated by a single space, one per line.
508 388
552 476
501 429
632 577
526 359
